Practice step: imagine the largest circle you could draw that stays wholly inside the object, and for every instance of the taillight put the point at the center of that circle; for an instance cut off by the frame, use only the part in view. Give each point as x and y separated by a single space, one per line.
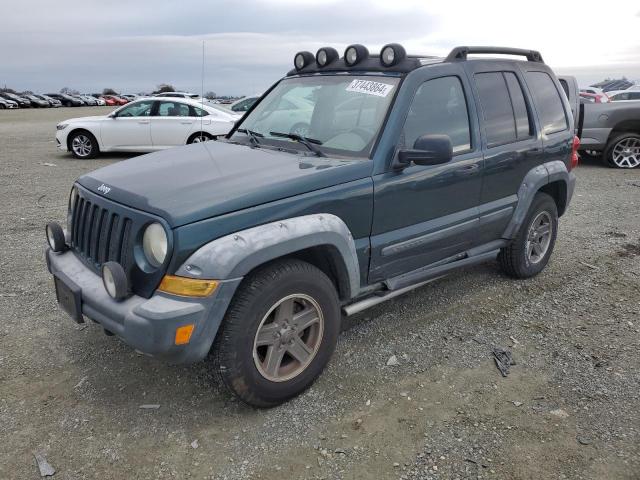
574 153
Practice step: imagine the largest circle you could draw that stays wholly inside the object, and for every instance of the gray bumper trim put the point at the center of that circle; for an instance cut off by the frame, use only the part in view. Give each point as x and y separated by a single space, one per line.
149 325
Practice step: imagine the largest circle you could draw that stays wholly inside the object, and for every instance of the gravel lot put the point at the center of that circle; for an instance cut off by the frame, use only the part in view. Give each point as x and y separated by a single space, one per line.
569 409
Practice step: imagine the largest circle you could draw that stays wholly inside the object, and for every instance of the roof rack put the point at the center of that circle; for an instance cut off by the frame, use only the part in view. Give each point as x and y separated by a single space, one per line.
460 53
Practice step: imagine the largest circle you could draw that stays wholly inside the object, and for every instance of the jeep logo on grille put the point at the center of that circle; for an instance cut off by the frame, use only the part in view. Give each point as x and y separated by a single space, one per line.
104 189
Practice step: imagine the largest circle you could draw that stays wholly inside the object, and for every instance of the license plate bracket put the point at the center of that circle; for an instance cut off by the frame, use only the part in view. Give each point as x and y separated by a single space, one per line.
69 296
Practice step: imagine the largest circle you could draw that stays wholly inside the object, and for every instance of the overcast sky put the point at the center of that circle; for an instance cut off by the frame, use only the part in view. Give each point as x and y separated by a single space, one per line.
133 46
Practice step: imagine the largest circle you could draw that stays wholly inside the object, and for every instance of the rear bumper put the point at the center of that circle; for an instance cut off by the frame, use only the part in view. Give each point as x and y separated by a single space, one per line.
148 325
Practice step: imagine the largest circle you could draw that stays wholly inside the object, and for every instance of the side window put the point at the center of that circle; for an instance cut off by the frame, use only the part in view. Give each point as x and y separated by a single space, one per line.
173 109
520 111
497 111
548 101
244 105
439 107
634 95
138 109
198 112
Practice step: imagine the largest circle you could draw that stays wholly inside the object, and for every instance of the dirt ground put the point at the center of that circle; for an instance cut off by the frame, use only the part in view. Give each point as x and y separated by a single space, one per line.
570 409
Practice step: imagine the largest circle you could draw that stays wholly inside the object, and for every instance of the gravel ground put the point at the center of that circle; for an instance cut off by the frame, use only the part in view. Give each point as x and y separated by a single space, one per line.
570 407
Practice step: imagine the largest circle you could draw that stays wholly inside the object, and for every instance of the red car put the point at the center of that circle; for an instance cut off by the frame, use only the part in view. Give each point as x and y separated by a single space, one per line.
594 97
114 100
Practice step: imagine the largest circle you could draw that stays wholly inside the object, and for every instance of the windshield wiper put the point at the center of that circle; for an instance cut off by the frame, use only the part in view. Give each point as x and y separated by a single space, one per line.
310 143
253 136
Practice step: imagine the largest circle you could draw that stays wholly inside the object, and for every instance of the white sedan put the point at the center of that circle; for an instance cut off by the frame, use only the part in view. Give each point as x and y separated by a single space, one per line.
145 125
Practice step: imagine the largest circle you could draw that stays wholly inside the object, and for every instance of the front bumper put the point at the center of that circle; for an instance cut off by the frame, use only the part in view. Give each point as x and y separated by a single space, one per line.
148 325
61 139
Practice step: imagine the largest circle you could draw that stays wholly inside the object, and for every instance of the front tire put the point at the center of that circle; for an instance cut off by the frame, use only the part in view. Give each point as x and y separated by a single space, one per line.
199 138
623 151
83 145
529 252
278 334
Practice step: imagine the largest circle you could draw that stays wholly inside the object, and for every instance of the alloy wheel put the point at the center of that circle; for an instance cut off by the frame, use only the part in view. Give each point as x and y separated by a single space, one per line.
539 237
81 145
626 153
288 338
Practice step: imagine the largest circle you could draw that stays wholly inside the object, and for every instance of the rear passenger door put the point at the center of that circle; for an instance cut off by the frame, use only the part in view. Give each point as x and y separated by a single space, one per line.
171 123
510 141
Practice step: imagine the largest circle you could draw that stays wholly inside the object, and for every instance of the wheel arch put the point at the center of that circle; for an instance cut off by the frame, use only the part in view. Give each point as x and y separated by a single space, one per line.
625 126
322 240
81 129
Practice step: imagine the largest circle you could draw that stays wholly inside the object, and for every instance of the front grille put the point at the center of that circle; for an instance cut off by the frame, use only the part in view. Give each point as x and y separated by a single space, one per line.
100 235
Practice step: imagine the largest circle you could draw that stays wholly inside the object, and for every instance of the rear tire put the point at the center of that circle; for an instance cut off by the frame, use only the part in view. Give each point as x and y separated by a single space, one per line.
529 252
623 151
83 145
278 334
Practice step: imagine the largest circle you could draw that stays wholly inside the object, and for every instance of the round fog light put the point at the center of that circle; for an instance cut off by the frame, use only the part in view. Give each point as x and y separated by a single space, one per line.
302 59
55 237
354 54
326 55
115 280
392 54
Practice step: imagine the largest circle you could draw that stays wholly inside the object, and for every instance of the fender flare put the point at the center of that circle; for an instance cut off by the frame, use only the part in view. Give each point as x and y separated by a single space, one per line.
533 181
235 255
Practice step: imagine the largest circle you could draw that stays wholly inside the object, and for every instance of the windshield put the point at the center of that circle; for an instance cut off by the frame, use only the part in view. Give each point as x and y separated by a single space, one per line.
338 114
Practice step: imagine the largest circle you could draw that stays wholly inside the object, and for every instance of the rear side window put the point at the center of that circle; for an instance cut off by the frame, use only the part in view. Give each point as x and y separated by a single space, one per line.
439 107
504 109
565 87
548 101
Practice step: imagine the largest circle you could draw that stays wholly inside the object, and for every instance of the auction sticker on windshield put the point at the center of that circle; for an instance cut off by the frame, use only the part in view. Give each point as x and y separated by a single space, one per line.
370 87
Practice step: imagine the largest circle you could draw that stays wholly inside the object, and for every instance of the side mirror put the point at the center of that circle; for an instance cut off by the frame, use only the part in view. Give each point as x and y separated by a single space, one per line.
427 150
112 115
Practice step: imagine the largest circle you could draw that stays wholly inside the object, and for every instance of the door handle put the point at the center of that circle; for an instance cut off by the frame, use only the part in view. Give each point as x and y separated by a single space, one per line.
468 169
143 122
186 123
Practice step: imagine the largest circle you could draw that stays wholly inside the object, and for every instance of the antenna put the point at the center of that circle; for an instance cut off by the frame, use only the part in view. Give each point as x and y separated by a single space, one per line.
202 91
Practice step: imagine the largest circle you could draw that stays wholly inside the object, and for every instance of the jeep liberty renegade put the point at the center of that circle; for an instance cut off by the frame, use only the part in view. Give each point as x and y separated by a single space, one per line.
349 182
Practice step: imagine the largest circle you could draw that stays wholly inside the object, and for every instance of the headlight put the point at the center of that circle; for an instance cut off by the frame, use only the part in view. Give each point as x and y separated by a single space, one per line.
154 244
62 126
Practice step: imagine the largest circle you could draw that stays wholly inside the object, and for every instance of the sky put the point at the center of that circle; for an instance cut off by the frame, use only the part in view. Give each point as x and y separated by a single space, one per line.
132 46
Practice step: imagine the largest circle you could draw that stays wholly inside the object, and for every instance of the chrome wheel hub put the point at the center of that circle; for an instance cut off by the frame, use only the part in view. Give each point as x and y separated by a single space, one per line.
288 337
626 153
539 237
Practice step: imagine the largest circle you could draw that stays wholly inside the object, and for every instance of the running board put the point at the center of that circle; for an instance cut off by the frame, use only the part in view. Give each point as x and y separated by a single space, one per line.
402 281
378 298
406 282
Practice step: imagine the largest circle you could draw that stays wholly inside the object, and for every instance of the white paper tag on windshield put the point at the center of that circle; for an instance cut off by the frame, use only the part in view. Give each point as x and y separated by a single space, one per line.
370 87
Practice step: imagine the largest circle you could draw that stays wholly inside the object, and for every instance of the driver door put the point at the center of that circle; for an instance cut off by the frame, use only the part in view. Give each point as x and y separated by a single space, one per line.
130 128
427 213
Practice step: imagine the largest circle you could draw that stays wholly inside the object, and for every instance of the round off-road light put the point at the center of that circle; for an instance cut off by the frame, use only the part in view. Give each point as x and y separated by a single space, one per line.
326 55
155 244
115 280
55 237
355 54
392 54
302 59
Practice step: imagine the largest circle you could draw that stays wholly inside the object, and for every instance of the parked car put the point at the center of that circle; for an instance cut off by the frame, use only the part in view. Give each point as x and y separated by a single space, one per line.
117 100
67 100
35 101
53 102
100 102
129 97
144 125
7 104
243 104
88 100
178 95
257 244
109 101
612 130
624 95
586 97
21 101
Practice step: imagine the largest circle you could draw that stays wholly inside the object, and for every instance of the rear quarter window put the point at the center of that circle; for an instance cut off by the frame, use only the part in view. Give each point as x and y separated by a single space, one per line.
549 102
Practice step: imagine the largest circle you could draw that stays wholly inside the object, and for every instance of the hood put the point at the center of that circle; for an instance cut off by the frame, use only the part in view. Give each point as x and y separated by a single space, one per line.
204 180
95 118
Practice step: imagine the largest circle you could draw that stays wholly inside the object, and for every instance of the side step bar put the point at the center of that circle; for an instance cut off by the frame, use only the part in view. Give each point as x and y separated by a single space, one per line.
417 278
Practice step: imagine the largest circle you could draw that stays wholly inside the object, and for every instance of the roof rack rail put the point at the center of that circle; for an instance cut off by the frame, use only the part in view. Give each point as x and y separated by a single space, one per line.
460 53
